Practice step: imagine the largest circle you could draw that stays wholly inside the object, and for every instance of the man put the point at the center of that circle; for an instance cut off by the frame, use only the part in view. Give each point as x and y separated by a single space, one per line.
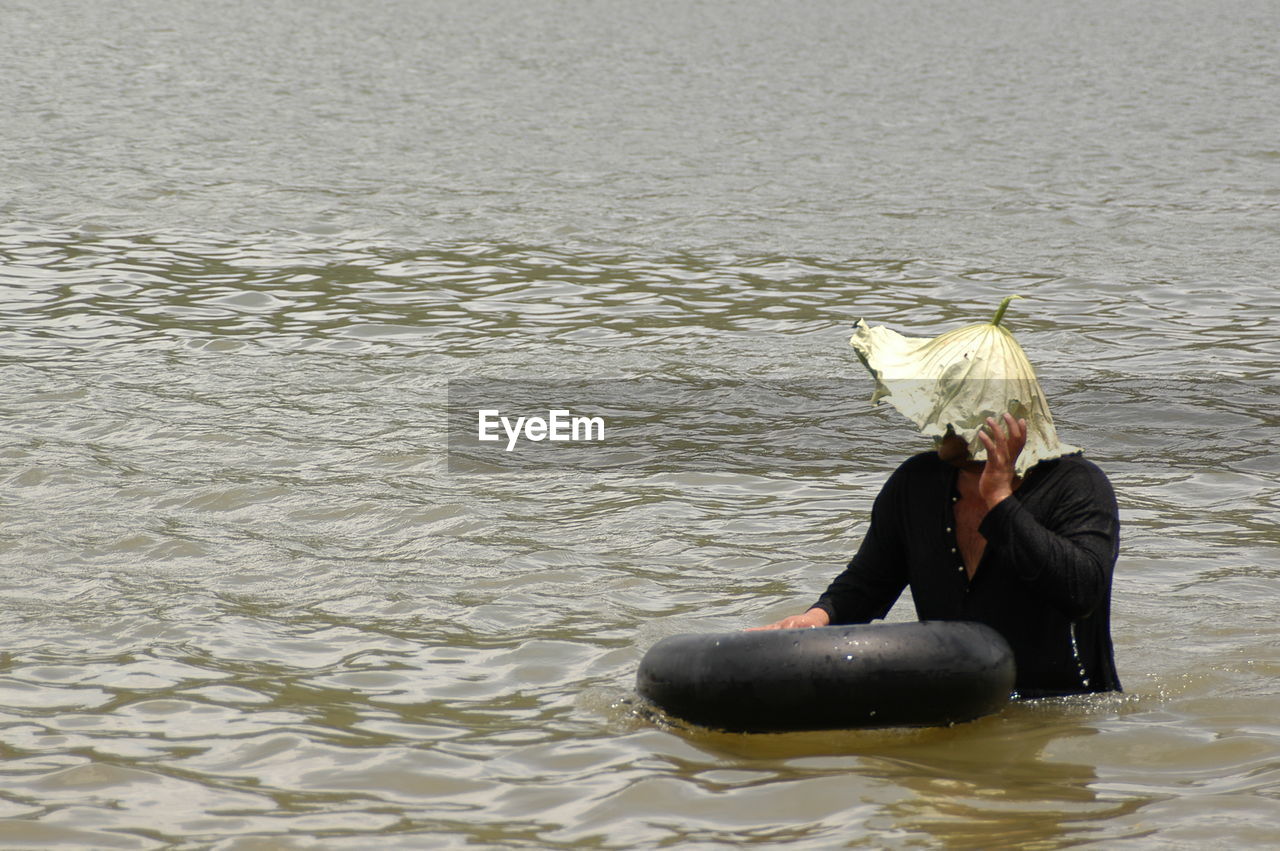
1025 546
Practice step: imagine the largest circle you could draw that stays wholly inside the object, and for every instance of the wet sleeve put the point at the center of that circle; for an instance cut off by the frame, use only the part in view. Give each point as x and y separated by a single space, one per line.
875 577
1066 559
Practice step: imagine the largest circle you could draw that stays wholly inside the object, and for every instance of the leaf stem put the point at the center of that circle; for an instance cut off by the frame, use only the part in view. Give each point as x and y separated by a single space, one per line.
1004 305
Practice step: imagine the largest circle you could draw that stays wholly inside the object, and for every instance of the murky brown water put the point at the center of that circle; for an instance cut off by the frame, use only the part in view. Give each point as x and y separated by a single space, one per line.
245 248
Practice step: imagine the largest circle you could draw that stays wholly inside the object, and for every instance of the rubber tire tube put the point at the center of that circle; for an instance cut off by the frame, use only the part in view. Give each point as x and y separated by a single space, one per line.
835 677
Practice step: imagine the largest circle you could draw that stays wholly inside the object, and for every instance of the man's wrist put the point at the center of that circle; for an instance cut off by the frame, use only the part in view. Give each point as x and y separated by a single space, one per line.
992 500
820 614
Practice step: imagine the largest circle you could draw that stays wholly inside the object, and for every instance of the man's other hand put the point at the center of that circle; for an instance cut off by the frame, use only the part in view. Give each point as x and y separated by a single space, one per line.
811 618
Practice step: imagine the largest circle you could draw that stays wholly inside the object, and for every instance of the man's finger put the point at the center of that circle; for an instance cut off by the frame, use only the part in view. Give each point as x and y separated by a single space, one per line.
995 432
1017 428
993 450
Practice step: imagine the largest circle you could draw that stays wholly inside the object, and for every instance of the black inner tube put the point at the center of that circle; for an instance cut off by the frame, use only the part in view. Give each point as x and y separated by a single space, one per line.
838 677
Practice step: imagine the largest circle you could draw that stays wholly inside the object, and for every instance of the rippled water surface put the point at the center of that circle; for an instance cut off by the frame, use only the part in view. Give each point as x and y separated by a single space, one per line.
244 249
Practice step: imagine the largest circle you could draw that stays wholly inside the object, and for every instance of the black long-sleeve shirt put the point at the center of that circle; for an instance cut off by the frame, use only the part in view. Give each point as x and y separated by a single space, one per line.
1043 582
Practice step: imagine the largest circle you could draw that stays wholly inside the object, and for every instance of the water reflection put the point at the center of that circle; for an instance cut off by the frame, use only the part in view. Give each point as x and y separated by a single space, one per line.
1000 789
994 782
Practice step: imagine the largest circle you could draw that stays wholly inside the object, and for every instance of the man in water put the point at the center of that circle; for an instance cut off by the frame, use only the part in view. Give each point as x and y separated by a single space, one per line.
1027 550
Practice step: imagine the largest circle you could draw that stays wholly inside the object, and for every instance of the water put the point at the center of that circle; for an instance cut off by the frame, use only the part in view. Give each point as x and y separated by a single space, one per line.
244 248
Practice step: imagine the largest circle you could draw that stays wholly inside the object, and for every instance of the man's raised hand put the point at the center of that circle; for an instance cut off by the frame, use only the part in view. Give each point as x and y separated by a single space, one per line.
1003 447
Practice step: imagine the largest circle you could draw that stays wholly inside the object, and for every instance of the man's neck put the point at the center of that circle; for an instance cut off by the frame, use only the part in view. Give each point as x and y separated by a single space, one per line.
968 477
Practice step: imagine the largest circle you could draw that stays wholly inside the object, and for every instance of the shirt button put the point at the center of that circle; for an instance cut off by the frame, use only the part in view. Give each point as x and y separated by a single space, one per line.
953 550
960 568
948 528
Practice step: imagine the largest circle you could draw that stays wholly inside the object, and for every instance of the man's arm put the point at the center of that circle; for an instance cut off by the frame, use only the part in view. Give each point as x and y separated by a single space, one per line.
1069 565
